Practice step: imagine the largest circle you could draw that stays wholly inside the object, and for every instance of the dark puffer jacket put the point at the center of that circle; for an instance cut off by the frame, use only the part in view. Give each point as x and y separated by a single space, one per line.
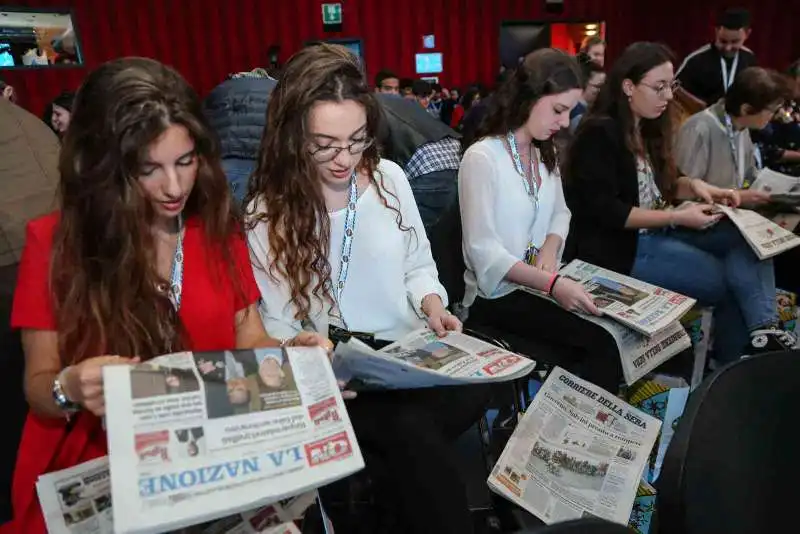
237 110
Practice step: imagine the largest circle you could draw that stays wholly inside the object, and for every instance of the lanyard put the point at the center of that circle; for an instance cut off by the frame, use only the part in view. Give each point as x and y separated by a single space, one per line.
727 77
347 245
531 186
738 155
176 275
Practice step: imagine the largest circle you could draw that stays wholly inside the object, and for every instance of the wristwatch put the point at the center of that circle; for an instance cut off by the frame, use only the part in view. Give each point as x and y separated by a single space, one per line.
60 397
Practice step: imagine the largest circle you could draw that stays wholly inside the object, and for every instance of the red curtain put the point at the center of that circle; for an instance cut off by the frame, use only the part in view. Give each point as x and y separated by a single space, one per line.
207 39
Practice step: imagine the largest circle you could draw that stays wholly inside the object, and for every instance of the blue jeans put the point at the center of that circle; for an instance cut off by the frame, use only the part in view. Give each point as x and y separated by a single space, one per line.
718 268
238 172
434 192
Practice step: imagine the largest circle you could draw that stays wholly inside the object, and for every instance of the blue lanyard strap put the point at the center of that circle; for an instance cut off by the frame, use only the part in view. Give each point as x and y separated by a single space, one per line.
531 186
734 149
347 244
176 275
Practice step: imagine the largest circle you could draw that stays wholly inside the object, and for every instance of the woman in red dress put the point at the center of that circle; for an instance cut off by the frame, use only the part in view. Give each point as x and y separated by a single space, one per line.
145 257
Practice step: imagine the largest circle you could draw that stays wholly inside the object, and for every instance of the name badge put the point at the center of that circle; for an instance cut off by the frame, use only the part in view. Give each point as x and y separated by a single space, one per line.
531 253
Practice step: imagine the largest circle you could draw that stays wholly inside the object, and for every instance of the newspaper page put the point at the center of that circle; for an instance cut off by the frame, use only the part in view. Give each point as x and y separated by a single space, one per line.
775 183
578 451
77 500
197 436
766 238
640 354
787 221
643 307
422 359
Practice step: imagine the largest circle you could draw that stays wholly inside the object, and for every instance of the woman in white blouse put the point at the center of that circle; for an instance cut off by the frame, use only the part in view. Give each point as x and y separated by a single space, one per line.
515 220
339 247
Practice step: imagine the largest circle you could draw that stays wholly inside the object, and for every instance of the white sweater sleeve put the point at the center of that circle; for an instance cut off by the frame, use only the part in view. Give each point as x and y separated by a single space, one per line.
559 222
276 309
422 277
483 249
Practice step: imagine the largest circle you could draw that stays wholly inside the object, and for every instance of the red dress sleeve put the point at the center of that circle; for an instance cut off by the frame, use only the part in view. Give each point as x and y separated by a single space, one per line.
241 257
33 299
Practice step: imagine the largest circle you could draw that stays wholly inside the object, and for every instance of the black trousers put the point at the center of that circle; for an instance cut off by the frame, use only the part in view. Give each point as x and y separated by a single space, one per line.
406 437
588 350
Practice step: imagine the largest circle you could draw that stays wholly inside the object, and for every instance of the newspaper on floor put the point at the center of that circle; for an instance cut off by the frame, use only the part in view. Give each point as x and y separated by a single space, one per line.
640 354
766 238
646 308
578 451
775 183
422 359
78 501
198 436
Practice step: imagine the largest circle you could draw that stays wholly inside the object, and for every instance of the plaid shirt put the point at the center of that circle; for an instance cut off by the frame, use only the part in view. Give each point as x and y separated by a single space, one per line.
443 155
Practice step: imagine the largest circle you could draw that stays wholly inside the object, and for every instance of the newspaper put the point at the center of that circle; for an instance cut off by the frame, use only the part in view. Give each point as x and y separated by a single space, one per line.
646 308
579 451
775 183
197 436
640 354
766 238
78 501
422 359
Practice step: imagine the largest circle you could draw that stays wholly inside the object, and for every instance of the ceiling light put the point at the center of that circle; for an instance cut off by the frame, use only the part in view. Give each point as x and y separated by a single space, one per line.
591 26
591 32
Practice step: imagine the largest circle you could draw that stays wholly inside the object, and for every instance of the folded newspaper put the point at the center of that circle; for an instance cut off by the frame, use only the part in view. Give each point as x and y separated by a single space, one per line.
194 437
646 308
776 183
766 238
579 451
78 501
422 359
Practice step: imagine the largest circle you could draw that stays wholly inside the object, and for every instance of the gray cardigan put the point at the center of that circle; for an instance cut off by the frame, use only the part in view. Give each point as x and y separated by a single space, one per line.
703 150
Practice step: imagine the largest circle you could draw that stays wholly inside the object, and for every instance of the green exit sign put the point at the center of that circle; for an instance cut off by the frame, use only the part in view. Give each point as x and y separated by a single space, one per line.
331 14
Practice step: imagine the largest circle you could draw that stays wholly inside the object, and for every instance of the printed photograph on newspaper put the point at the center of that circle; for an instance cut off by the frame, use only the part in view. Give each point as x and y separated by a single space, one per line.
578 451
236 431
422 359
77 500
643 307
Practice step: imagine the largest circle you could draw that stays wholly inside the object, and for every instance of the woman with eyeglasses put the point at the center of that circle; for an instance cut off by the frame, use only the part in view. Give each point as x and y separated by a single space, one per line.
620 177
338 246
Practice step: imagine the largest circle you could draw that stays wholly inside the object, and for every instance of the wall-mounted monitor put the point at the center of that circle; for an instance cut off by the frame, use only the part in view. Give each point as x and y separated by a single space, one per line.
430 63
356 46
38 38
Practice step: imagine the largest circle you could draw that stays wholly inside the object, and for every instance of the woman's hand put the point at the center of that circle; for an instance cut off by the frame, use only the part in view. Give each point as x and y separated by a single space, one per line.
696 216
571 296
83 383
712 194
751 197
440 320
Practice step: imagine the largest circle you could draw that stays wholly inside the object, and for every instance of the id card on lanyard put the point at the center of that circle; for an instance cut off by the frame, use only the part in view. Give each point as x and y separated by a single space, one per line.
532 188
737 151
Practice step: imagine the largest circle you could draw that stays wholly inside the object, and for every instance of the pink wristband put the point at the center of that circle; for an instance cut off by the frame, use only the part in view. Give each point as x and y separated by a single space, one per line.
549 286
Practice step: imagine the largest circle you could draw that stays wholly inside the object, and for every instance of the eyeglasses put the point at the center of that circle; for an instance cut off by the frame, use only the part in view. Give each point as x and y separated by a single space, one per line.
323 154
662 88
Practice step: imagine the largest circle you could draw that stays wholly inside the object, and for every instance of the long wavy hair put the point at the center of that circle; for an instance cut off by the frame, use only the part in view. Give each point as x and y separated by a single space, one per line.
656 134
285 191
103 274
545 72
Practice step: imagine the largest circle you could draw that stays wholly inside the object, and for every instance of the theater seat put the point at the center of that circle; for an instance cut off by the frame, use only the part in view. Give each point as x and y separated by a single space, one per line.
732 466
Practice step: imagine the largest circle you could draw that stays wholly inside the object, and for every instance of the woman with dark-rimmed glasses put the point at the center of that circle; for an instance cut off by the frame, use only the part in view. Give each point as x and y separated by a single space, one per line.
339 247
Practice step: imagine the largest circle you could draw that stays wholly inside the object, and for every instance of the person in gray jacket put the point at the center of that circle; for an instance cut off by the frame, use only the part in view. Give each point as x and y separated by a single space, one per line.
237 111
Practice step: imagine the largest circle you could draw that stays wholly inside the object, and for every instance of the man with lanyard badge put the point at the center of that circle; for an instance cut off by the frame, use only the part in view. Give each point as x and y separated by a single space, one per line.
707 73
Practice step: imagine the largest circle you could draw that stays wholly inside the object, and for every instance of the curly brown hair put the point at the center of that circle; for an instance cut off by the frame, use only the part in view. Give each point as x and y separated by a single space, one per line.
285 191
103 273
